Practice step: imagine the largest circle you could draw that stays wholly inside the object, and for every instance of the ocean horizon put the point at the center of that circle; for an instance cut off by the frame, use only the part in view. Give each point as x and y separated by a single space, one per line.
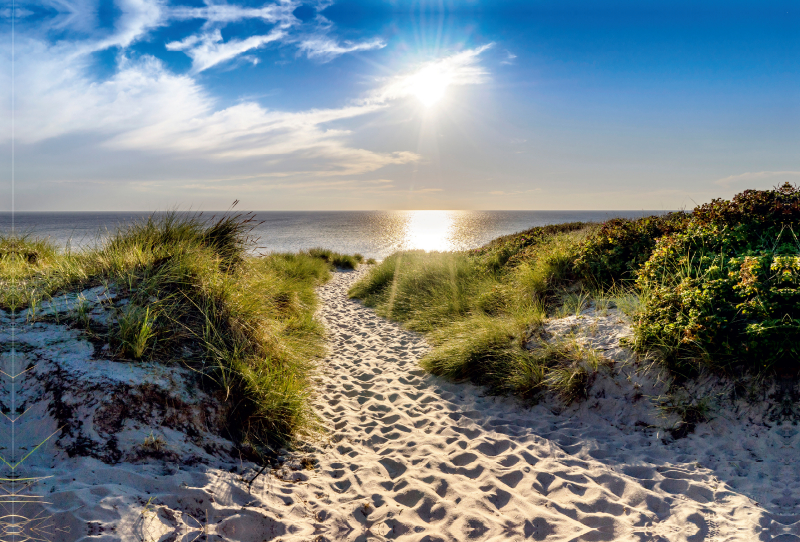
375 234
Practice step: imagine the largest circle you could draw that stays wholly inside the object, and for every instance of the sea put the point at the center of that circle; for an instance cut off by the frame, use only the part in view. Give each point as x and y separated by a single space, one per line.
374 234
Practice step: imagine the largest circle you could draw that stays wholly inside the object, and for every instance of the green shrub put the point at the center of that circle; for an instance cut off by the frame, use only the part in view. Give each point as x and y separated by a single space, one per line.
724 292
510 250
616 250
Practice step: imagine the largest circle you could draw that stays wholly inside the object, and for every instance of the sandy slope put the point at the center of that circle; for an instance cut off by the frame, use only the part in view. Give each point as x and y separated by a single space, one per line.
414 457
409 456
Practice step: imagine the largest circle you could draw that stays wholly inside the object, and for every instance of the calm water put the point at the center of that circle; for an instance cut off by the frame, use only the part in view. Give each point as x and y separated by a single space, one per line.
374 234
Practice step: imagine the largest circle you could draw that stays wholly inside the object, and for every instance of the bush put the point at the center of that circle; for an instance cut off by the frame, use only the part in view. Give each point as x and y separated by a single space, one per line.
616 250
510 250
724 292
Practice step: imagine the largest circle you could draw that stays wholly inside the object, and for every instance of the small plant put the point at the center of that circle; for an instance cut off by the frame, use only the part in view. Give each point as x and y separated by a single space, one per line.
574 304
82 312
154 443
33 307
570 381
135 330
690 411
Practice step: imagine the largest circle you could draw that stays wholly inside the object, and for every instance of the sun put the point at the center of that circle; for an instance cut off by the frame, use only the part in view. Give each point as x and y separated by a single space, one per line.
429 86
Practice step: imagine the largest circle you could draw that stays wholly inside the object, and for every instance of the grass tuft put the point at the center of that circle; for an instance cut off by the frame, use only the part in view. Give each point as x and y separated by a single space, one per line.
339 261
194 294
480 307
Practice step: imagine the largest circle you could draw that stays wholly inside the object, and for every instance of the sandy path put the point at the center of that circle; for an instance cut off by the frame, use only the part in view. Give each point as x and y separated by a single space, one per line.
410 456
413 457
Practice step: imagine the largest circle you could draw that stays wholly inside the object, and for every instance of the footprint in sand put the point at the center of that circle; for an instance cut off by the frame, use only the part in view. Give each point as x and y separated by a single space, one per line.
438 460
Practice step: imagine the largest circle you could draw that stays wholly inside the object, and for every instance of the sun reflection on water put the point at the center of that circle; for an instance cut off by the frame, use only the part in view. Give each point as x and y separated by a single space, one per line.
429 230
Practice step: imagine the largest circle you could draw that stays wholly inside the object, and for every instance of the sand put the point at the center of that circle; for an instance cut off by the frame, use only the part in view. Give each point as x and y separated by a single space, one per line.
415 457
407 456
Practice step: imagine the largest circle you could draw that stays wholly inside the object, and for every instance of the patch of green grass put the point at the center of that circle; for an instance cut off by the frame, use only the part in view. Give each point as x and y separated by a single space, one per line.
478 312
195 295
711 290
337 260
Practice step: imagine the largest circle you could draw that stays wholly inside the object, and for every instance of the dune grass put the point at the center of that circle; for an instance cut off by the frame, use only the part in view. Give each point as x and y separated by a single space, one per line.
340 261
479 308
714 290
196 296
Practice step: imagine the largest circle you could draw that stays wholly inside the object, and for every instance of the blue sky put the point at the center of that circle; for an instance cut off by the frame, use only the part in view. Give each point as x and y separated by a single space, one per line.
355 104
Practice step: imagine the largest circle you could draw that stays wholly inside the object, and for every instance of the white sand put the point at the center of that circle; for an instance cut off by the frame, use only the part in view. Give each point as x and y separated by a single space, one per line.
414 457
410 457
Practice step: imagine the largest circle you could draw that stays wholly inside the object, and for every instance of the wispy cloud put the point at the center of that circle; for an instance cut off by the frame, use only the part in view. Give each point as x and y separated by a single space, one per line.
509 58
169 127
756 176
462 68
282 13
18 12
325 48
208 50
146 108
136 19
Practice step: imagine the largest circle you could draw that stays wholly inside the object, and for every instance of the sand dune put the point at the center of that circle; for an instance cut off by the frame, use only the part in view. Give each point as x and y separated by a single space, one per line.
408 456
414 457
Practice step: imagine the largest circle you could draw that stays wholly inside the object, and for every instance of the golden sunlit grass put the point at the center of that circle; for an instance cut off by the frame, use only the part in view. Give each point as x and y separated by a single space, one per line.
196 297
478 312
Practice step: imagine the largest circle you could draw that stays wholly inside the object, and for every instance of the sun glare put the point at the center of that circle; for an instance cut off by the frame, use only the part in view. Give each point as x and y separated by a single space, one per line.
429 230
429 86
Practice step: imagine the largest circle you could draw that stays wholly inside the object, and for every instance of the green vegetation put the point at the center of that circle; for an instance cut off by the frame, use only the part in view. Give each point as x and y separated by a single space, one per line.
479 307
711 290
340 261
723 293
195 296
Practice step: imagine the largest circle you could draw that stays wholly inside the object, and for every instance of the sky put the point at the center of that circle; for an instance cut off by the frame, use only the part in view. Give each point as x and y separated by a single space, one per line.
115 105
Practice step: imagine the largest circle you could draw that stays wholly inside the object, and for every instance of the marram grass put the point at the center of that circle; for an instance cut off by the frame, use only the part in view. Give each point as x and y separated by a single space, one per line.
715 290
479 308
197 297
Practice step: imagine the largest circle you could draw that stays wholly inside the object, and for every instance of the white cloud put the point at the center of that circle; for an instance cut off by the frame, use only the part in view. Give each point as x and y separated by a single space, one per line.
137 18
458 69
756 176
166 127
145 108
325 48
209 50
19 13
282 13
509 58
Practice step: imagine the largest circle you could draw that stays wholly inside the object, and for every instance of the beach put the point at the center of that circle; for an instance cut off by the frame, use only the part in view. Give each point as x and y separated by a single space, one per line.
404 456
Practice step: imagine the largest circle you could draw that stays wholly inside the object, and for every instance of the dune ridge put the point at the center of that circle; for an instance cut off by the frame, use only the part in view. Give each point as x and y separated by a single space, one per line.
414 457
407 456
